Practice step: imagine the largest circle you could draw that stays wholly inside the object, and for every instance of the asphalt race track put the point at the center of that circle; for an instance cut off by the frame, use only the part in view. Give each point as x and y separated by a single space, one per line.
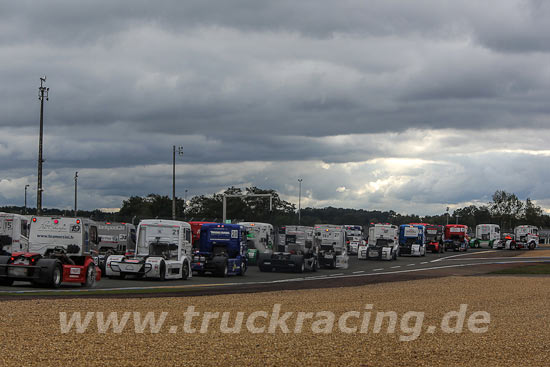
474 261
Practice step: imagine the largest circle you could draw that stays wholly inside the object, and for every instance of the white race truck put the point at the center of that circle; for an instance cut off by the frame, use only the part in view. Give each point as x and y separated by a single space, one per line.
59 251
525 237
14 233
114 239
331 241
383 243
259 239
163 251
354 237
486 234
300 252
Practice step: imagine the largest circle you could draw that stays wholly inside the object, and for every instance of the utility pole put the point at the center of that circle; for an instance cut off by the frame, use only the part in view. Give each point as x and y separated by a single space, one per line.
42 93
300 202
180 152
75 191
447 215
26 187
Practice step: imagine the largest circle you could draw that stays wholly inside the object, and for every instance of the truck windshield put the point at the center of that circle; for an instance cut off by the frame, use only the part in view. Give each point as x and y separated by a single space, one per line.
158 235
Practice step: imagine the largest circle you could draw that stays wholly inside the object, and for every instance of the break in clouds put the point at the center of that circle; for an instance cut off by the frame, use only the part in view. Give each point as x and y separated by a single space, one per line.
410 106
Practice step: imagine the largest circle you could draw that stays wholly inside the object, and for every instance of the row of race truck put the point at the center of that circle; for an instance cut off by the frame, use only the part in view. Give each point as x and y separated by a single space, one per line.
48 251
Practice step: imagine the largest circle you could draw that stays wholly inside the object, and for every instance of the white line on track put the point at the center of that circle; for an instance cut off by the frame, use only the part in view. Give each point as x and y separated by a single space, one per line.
395 267
335 275
411 264
464 254
377 269
424 262
358 272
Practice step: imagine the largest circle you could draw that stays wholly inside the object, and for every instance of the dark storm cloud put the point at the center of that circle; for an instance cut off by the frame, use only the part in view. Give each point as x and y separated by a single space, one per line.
259 92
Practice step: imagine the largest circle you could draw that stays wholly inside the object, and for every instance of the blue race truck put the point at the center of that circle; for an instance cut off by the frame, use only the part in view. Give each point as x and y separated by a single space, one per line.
412 240
222 250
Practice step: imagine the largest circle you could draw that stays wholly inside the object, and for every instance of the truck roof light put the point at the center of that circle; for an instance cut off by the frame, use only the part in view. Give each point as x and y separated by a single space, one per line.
56 221
34 219
78 221
107 222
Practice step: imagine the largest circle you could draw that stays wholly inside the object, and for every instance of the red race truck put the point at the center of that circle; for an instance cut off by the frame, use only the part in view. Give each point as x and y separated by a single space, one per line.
455 237
60 250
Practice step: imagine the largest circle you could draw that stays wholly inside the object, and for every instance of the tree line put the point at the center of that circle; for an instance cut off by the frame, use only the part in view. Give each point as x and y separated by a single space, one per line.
505 209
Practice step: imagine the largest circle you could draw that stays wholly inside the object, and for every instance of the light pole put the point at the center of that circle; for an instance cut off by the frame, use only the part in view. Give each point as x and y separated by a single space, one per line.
75 191
447 215
42 93
300 202
26 187
180 152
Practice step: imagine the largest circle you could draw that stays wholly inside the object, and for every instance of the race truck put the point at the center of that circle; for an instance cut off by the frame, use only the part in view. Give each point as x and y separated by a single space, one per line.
331 241
412 240
455 237
383 243
259 239
300 252
486 234
196 232
222 250
505 241
60 250
14 233
525 237
114 239
354 237
163 251
434 238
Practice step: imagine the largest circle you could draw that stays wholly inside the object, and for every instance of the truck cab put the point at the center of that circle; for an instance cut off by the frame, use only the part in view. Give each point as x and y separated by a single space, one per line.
434 238
525 237
14 233
412 240
163 251
114 239
455 237
486 234
260 239
383 243
60 250
300 252
331 240
354 237
222 250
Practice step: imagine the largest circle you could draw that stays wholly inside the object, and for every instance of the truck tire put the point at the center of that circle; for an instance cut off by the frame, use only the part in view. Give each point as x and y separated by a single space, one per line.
243 268
185 270
222 270
90 276
52 275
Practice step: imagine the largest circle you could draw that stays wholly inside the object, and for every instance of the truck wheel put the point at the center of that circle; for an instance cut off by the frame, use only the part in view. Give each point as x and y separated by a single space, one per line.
301 268
162 273
90 276
185 270
222 271
55 276
243 268
395 254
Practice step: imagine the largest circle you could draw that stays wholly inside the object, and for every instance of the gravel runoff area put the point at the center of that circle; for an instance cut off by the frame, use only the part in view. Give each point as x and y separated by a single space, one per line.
518 334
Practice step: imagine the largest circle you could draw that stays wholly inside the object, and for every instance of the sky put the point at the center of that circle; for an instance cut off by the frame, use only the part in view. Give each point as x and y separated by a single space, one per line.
411 106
